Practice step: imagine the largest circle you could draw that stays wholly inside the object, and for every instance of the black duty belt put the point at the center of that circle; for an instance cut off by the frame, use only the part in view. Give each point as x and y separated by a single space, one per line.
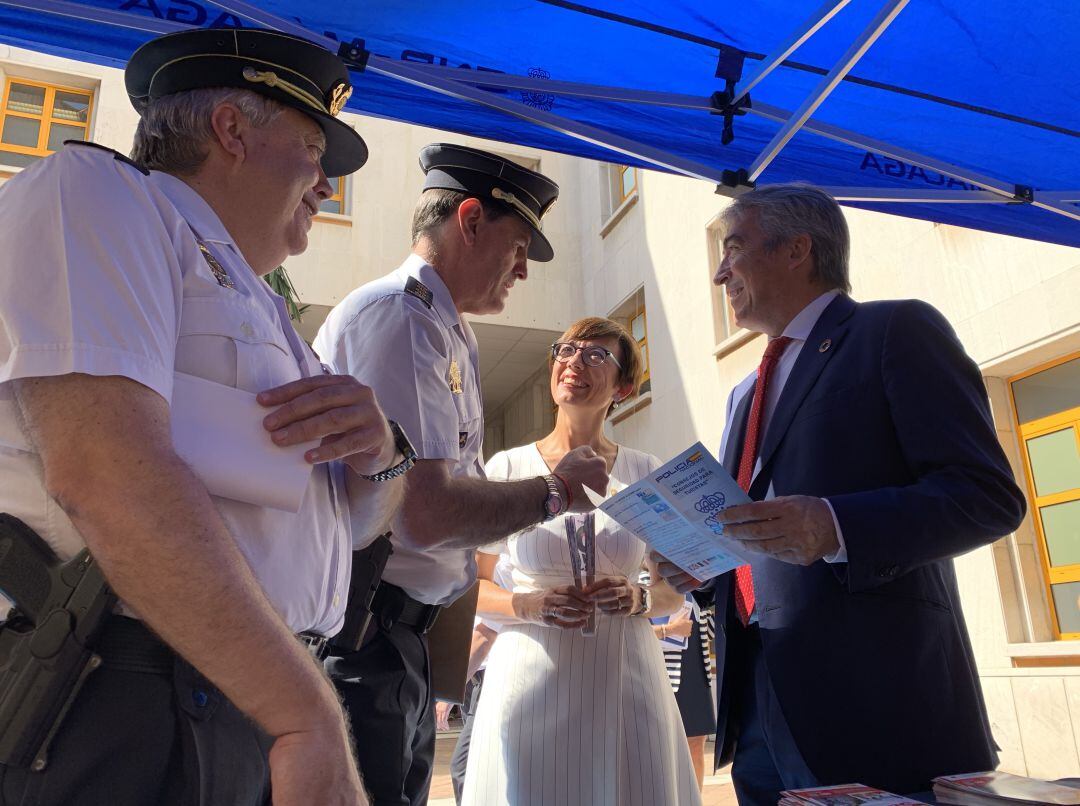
129 645
318 645
392 605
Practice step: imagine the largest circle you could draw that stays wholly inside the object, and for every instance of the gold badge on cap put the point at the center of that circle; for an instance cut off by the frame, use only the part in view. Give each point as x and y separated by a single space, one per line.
454 379
339 95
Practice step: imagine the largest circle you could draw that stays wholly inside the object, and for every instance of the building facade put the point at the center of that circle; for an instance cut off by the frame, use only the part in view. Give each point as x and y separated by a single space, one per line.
642 246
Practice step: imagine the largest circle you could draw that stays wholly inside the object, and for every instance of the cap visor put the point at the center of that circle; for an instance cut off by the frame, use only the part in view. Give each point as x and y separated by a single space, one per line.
540 248
346 151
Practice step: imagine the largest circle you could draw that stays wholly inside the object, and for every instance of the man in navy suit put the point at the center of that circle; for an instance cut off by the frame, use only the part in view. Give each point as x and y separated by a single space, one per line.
867 444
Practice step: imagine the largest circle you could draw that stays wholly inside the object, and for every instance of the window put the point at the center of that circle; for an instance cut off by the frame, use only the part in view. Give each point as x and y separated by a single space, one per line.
723 316
625 182
640 332
618 191
338 203
36 118
1046 402
631 315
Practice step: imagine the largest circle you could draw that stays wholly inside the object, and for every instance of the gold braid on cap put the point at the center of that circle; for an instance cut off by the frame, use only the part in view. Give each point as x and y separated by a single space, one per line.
272 79
518 205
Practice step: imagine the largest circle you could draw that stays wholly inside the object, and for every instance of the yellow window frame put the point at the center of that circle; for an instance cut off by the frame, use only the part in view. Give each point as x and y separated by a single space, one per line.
620 182
339 196
1060 421
643 342
45 118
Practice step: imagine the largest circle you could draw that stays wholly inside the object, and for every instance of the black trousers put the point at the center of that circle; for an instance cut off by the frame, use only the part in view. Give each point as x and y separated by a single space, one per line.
144 734
386 688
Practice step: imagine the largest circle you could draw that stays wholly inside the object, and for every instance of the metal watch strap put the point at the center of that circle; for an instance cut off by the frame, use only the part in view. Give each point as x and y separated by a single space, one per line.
404 447
553 490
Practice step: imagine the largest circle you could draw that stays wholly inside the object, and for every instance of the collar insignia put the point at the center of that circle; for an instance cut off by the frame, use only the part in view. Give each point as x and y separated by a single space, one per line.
222 276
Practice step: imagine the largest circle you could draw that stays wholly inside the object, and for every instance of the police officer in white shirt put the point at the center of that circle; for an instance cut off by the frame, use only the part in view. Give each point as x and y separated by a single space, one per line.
476 222
118 280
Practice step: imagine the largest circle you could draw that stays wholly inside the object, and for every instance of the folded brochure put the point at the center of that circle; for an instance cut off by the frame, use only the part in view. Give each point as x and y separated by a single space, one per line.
674 509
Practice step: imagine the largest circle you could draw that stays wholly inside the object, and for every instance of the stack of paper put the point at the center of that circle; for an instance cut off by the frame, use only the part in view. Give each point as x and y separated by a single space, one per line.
843 795
995 788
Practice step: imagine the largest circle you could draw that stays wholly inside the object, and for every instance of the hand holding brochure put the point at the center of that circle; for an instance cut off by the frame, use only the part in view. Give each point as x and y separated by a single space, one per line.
674 508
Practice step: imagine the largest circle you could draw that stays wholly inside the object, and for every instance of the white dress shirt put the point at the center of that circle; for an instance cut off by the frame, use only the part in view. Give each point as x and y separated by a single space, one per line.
798 330
421 359
101 273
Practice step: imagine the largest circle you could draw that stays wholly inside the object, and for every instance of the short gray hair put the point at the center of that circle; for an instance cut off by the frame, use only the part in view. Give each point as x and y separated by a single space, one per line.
785 211
436 205
174 130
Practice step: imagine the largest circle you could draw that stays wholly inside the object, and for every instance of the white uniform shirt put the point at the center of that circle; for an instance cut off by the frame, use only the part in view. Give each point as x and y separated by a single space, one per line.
101 273
421 360
798 330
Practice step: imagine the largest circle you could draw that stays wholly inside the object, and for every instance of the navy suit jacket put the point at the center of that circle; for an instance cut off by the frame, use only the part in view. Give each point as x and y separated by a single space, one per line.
885 416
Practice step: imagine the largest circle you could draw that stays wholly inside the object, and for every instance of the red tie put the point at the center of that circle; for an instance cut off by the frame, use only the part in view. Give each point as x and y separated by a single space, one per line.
744 580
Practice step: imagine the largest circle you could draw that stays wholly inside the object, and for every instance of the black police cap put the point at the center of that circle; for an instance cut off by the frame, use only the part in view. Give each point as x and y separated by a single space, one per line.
487 176
291 70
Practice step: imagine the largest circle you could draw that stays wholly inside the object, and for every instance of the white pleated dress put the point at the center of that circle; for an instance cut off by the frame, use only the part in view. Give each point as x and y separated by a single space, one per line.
570 720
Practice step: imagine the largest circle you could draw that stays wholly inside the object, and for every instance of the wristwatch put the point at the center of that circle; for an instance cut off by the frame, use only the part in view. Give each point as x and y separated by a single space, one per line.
646 602
554 503
404 447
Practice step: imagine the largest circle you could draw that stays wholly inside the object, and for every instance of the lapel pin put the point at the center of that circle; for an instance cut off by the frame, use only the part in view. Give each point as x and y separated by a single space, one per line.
824 346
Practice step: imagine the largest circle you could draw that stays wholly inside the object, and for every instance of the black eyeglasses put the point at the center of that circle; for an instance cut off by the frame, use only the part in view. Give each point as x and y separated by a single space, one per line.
593 356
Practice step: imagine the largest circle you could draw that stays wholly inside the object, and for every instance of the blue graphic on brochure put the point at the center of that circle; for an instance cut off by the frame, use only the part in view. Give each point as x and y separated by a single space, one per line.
674 510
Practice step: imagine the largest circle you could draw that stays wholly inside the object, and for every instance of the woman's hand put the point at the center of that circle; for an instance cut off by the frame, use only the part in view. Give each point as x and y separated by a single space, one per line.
679 626
615 596
565 607
442 715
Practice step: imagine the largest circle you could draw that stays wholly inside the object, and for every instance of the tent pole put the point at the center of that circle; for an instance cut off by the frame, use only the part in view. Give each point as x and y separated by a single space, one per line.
404 71
1005 190
928 196
570 89
1045 201
814 24
876 28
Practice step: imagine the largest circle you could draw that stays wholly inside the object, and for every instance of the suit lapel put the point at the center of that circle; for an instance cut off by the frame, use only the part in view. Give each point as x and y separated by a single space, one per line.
827 334
737 435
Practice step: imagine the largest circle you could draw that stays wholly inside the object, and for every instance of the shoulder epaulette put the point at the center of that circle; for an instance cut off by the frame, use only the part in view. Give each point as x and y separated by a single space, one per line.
116 154
419 290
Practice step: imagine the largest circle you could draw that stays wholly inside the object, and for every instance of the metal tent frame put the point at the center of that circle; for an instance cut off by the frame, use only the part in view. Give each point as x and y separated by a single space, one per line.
468 85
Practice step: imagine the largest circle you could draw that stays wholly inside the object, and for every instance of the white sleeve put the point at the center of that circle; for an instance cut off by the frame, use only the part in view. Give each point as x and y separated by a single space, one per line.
397 346
89 277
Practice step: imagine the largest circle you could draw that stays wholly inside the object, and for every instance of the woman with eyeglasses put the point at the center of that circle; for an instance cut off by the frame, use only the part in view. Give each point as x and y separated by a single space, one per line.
566 717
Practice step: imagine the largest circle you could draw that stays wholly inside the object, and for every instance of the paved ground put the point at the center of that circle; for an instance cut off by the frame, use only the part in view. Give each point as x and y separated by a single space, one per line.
718 791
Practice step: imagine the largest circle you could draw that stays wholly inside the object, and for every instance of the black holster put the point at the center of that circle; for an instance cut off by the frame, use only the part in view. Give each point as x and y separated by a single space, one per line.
367 568
46 645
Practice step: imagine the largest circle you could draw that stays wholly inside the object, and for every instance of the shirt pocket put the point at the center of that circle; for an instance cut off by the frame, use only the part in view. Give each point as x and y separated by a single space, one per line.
233 344
470 421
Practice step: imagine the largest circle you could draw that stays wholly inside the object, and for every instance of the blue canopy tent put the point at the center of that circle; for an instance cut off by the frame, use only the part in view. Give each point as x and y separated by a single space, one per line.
957 111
